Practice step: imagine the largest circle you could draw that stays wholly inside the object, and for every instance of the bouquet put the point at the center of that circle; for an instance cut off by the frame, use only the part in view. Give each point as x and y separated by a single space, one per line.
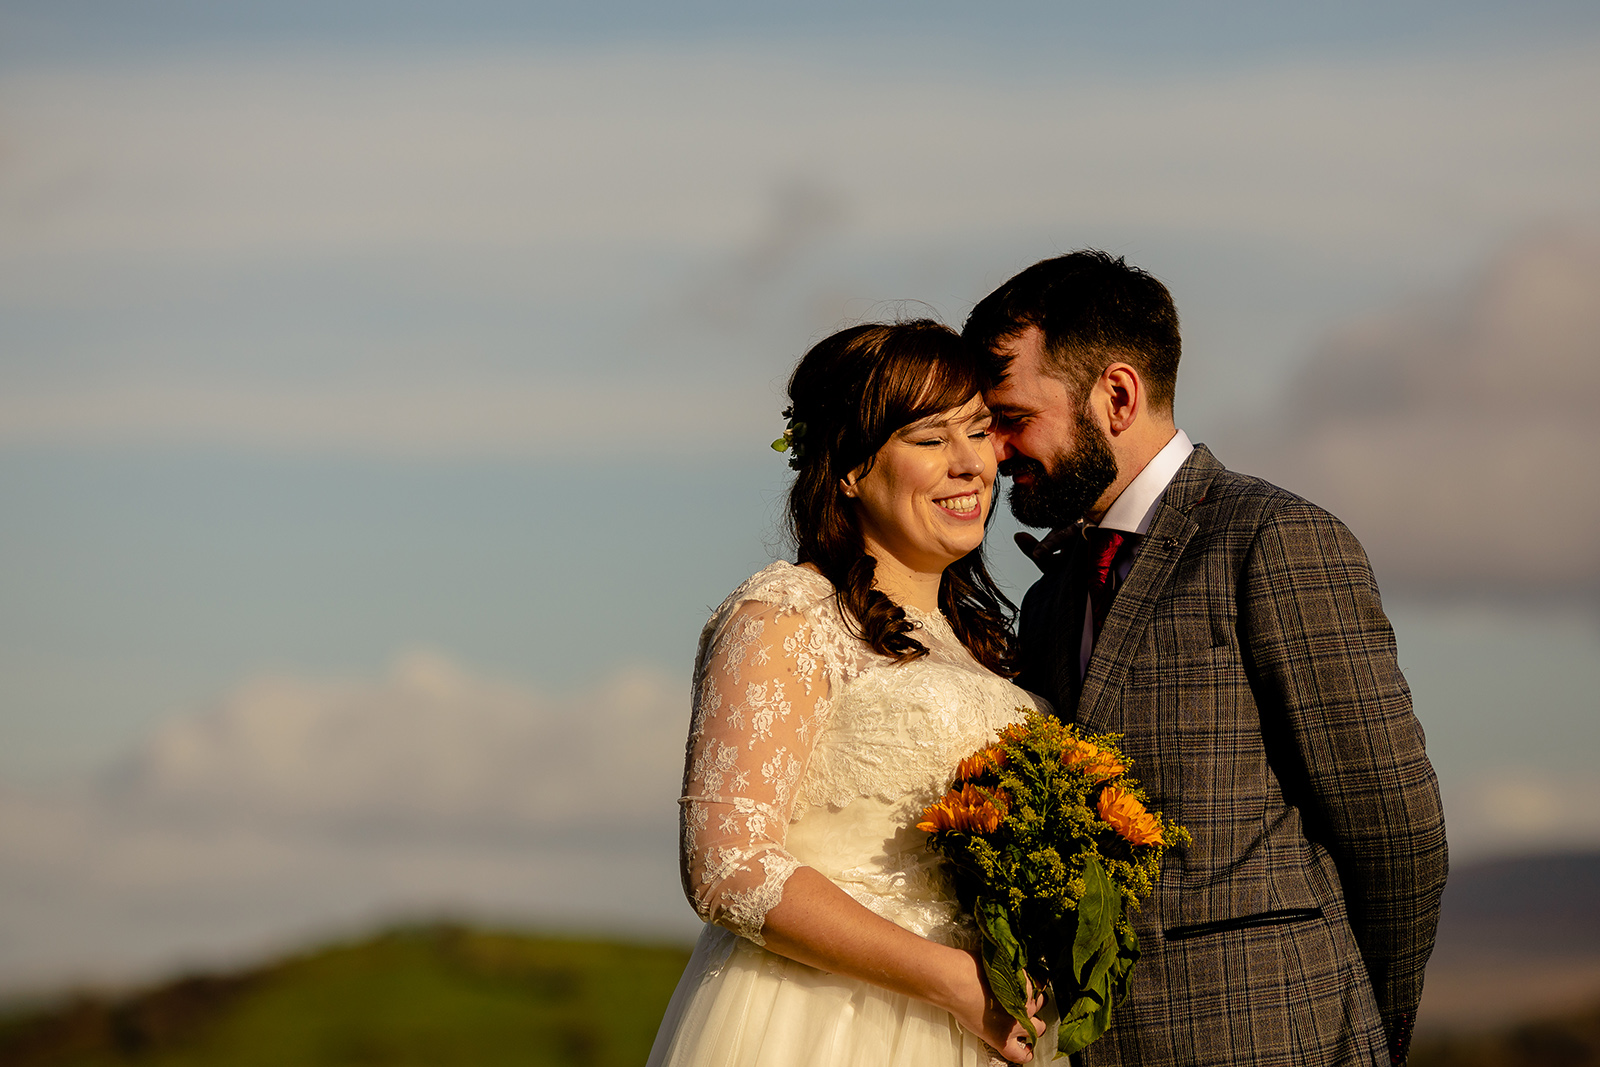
1052 845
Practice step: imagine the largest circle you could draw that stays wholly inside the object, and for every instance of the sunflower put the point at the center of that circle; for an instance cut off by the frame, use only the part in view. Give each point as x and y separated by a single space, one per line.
980 763
1088 757
1127 817
968 809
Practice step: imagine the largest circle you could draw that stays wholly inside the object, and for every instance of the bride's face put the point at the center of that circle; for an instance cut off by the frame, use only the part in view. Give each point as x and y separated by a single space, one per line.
926 495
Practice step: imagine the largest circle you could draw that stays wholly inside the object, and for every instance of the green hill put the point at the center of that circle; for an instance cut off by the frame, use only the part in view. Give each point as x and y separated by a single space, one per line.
430 997
438 996
1567 1040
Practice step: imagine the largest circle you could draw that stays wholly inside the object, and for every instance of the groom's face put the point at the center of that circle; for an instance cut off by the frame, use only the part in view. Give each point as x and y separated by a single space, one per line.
1059 460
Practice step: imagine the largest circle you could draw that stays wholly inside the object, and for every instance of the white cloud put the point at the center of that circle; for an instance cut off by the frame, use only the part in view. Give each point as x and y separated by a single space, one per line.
296 805
1459 437
428 747
1521 809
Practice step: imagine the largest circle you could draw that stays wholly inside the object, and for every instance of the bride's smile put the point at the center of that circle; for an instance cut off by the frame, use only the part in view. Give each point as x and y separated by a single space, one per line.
922 500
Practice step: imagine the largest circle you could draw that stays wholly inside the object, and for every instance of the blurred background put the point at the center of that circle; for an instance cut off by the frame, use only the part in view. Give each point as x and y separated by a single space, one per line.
385 391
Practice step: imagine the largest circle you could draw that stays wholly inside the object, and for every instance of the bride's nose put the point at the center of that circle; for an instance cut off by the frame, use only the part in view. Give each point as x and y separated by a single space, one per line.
967 460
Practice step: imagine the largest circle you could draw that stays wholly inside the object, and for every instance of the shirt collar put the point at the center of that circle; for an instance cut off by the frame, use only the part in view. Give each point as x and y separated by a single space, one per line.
1135 508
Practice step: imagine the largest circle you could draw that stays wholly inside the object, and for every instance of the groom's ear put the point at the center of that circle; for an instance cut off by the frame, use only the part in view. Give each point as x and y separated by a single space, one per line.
1121 395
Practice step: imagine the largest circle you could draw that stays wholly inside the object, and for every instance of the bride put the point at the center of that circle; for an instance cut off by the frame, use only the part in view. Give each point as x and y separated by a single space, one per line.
833 698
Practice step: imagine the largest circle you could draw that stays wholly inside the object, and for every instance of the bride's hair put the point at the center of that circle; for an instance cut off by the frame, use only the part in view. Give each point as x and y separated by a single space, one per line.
848 396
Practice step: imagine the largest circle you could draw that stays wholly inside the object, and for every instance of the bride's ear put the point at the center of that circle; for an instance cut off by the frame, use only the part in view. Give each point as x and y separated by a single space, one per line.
847 484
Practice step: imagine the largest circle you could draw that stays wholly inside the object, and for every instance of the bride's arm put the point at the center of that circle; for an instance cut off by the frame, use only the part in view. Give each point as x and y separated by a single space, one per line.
817 923
761 700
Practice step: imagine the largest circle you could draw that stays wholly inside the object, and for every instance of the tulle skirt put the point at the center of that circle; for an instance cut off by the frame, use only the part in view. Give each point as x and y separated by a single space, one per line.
739 1005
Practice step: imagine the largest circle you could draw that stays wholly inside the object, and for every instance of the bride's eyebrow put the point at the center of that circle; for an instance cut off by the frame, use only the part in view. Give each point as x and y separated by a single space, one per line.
937 422
930 423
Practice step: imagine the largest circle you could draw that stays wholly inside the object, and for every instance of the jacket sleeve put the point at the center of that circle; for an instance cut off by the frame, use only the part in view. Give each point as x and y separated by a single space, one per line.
1324 653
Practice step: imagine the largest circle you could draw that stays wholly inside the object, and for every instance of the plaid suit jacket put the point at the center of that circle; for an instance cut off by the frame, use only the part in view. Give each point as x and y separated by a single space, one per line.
1248 662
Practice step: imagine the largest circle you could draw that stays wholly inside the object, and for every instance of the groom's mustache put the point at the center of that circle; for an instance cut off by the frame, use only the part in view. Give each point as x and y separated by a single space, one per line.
1014 465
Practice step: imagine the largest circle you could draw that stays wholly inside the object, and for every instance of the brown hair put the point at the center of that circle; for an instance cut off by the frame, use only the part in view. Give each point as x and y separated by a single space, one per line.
1094 310
849 394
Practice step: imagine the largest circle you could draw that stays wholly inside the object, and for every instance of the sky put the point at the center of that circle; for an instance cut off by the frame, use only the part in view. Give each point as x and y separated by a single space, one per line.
385 393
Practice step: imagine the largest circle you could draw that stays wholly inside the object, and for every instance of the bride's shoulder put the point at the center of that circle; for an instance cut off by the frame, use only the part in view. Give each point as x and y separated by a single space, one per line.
783 585
781 597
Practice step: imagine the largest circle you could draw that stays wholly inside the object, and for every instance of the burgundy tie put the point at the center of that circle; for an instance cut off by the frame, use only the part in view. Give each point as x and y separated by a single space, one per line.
1107 549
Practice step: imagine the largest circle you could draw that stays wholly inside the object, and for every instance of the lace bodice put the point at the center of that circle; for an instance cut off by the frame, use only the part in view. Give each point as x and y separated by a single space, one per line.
806 748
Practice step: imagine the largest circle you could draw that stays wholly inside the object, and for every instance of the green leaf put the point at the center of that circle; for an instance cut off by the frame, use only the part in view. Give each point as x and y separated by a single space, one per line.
1004 962
1097 979
1127 956
1088 1015
1081 1024
1098 910
1102 957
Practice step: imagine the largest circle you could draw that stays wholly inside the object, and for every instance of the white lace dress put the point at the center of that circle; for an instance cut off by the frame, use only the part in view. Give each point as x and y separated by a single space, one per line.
806 748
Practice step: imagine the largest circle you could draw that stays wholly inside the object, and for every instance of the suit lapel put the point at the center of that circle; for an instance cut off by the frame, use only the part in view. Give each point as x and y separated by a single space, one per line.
1135 602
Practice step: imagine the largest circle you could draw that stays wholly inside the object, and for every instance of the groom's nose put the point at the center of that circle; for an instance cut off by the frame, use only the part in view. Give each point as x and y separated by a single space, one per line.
1002 445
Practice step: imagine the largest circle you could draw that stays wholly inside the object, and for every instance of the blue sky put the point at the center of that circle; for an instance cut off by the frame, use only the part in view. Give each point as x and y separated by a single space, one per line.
330 333
1189 34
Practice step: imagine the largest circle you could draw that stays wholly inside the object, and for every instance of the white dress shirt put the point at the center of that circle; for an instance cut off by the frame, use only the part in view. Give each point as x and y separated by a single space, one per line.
1133 511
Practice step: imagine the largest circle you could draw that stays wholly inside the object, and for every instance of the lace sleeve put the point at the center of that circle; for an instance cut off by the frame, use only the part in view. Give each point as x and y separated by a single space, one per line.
760 697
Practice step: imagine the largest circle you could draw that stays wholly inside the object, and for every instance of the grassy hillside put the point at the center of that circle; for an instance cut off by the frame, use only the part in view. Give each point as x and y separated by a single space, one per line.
440 996
1571 1040
432 997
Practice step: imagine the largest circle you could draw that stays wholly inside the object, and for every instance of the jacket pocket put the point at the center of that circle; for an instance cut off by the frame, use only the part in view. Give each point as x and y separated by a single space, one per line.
1243 922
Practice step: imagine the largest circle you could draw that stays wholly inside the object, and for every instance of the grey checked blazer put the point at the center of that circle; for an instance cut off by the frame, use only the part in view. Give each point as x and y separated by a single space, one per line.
1248 661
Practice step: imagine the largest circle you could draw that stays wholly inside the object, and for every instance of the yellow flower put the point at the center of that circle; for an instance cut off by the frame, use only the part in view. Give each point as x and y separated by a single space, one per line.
980 763
1017 731
969 809
1091 760
1127 817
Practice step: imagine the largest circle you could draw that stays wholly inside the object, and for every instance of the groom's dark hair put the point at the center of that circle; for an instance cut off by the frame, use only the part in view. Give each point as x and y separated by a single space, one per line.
1094 310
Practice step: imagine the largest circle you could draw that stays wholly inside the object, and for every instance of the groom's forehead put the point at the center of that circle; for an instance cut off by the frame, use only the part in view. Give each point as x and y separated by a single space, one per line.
1026 382
1023 353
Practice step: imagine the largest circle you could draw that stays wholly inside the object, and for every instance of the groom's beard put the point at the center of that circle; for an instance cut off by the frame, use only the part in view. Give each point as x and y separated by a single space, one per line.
1060 496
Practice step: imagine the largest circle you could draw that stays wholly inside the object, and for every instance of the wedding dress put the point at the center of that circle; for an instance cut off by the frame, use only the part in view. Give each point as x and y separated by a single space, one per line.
806 748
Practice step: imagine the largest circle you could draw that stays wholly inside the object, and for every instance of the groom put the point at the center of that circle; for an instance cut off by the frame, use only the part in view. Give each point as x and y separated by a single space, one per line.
1233 632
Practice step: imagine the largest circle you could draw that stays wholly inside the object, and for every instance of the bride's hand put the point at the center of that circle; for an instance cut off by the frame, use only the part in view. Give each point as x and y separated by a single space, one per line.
981 1013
